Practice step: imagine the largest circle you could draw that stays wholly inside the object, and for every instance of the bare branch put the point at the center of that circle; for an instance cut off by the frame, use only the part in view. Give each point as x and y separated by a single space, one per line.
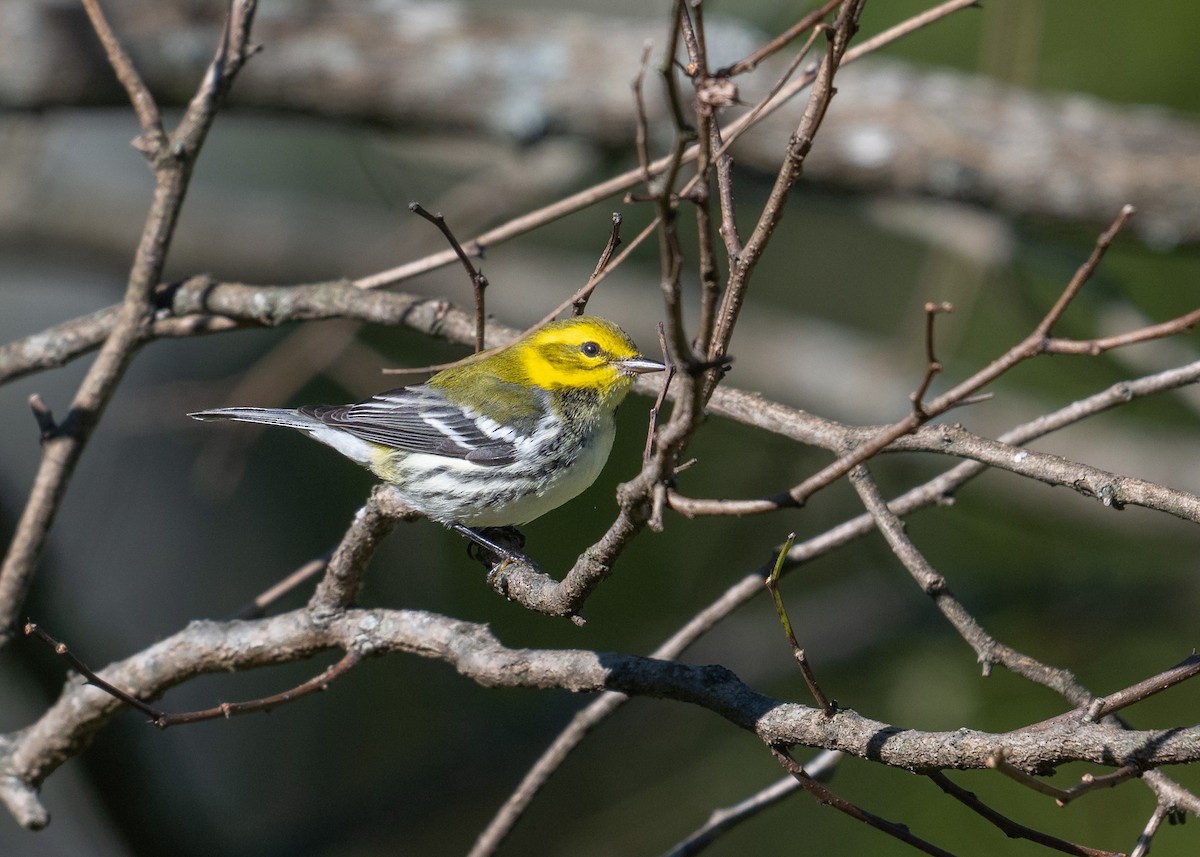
749 63
153 136
478 281
344 574
721 820
626 181
164 719
208 647
1147 835
1105 705
1011 828
173 167
798 148
810 679
828 798
935 366
1082 275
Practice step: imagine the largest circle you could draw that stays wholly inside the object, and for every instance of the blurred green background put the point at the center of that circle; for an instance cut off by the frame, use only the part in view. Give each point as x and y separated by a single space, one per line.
169 520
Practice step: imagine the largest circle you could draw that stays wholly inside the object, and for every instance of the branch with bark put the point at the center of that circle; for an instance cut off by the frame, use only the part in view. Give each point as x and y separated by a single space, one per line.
703 115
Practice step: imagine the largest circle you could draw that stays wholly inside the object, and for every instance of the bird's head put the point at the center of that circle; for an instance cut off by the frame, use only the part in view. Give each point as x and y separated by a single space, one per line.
582 353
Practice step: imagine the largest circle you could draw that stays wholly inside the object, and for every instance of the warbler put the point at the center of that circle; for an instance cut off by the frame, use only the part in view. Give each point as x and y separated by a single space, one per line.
494 442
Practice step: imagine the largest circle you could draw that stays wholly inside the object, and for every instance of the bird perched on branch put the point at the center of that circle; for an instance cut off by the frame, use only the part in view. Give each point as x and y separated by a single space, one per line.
492 442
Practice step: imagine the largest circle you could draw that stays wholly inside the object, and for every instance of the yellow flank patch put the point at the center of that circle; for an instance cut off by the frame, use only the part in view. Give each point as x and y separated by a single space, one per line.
382 462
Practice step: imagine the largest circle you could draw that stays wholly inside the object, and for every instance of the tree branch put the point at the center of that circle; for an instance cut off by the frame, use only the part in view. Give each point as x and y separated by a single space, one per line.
173 161
30 755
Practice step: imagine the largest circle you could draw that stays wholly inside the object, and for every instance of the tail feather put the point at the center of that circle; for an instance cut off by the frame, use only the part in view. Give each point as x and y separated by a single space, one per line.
354 448
268 416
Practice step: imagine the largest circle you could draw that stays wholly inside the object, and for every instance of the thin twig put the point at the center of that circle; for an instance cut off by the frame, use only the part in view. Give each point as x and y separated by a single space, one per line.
1105 705
997 762
720 821
828 798
1012 829
1146 837
1087 783
165 719
641 132
265 704
34 630
710 288
580 301
173 162
707 131
1093 347
666 68
623 182
478 281
596 279
772 583
750 62
153 136
1083 274
656 409
934 366
43 416
1091 782
552 757
258 607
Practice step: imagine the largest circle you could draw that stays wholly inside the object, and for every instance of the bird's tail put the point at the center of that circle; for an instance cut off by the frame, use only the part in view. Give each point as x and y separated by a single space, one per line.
268 416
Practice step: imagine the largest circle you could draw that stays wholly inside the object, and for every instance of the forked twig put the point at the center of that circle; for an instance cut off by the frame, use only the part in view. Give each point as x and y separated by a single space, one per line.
828 798
934 366
165 720
631 178
173 160
962 393
751 61
1012 829
579 302
751 585
1092 782
1089 782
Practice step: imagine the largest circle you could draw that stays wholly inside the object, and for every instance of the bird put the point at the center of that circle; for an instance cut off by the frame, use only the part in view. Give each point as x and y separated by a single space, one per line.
489 443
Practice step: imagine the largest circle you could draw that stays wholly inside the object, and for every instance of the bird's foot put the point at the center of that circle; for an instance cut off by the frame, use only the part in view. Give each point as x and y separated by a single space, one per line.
494 546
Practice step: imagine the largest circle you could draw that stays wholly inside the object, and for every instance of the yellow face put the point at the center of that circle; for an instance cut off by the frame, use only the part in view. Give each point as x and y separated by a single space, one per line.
578 353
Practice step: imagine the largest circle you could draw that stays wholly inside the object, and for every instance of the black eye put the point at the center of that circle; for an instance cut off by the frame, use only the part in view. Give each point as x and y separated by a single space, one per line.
590 349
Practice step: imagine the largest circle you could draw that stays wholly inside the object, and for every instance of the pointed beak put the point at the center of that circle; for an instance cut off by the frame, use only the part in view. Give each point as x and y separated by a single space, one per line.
639 365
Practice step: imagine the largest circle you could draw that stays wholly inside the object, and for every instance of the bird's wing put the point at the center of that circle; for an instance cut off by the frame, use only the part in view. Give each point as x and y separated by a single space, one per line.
422 419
